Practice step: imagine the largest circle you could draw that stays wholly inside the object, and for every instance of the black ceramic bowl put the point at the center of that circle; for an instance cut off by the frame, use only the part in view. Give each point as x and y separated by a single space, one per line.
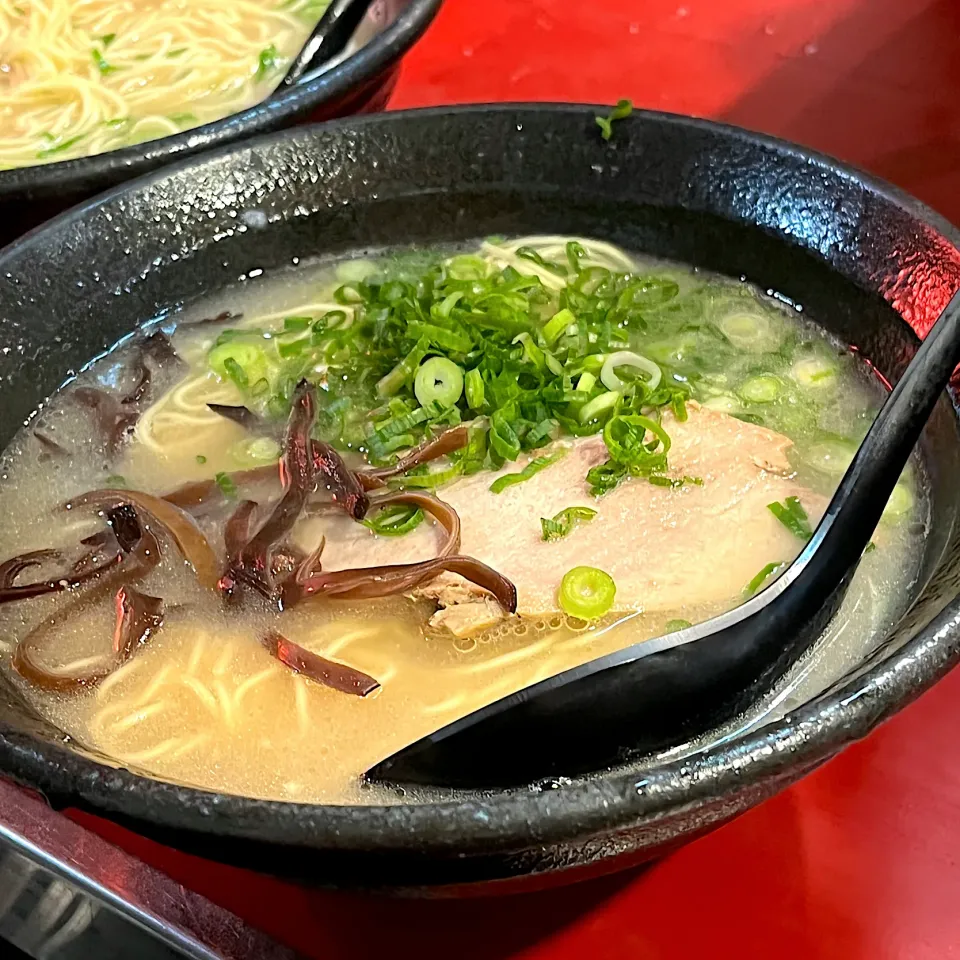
860 256
360 83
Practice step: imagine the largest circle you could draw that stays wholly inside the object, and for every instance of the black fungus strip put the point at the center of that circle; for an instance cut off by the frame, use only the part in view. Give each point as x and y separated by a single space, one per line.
311 665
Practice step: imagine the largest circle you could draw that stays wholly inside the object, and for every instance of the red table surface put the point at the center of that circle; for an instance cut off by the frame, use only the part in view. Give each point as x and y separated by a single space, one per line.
860 859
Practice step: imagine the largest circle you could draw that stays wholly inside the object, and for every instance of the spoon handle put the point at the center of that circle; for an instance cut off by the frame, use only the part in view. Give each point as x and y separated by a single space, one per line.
329 37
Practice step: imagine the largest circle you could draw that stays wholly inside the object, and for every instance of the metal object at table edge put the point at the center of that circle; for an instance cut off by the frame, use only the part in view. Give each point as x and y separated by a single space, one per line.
67 893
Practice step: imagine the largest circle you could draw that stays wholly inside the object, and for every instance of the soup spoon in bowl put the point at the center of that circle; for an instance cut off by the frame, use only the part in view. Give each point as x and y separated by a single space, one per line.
659 692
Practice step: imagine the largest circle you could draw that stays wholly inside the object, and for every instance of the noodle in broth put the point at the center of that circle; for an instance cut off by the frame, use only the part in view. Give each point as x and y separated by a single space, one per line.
80 77
205 702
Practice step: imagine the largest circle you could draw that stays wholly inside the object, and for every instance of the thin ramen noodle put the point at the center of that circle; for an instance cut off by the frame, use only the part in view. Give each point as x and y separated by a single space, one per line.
80 77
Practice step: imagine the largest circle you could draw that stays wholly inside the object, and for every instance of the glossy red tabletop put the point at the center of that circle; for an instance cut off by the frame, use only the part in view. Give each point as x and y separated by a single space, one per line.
860 860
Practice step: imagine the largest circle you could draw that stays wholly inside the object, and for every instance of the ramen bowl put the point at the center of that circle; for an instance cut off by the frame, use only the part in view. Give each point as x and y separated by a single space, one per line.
873 265
358 81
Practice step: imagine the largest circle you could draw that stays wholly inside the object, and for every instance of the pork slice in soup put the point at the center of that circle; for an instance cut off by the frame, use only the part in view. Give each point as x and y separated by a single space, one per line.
668 548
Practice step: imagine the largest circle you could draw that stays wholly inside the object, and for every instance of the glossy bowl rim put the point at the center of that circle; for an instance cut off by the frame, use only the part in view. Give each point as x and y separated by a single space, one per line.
735 772
280 107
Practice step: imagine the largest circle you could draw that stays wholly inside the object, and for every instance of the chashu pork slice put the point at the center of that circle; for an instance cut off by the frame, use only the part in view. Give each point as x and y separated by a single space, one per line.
668 549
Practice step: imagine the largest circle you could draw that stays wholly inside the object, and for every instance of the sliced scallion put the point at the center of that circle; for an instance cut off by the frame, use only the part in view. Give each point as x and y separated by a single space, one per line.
792 515
627 358
225 482
395 520
438 380
623 109
555 326
594 409
814 373
586 593
473 387
762 389
257 450
565 521
761 578
586 382
530 470
243 362
749 331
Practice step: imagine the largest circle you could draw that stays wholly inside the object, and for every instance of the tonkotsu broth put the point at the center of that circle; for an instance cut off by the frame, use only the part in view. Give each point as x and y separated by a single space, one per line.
204 703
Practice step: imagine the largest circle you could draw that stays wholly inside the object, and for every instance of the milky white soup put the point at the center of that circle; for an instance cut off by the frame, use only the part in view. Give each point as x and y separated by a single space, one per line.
426 480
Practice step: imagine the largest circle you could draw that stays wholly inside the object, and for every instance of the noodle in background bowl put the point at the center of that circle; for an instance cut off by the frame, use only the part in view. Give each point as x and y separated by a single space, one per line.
872 264
359 81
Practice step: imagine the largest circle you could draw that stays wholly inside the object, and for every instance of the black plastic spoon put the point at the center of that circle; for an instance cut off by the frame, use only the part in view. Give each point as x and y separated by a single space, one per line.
329 37
659 692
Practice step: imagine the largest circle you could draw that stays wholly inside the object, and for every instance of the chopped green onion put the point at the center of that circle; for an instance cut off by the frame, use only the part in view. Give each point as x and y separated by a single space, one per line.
438 380
473 387
586 593
626 440
761 578
267 62
565 521
107 39
225 482
575 253
627 358
749 331
116 480
831 456
555 326
672 626
546 431
440 336
792 515
404 371
503 437
60 147
242 362
532 353
814 373
658 480
296 324
293 348
528 253
101 63
586 382
762 389
605 477
623 109
257 450
530 470
723 404
395 520
430 480
201 459
596 408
